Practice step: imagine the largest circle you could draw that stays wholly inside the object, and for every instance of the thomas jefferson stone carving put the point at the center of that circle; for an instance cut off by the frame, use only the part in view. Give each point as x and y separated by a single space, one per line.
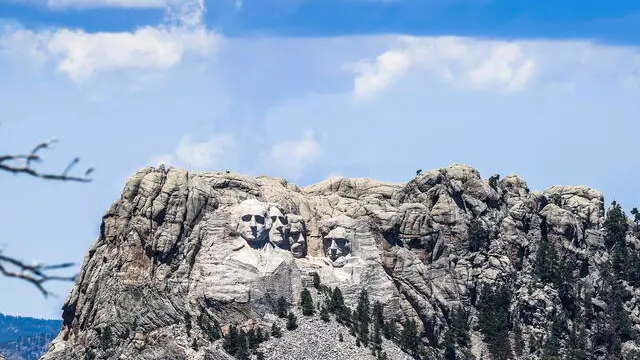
252 225
278 225
337 246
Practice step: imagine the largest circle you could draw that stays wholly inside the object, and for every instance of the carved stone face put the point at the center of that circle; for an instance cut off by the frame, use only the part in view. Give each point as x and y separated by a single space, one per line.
337 246
252 226
297 236
278 227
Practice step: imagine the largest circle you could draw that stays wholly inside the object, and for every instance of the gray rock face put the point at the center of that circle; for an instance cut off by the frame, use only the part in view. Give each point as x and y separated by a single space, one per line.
179 246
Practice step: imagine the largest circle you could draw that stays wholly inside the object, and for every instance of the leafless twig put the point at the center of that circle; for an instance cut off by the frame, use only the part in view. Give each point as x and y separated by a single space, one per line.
37 274
34 274
22 164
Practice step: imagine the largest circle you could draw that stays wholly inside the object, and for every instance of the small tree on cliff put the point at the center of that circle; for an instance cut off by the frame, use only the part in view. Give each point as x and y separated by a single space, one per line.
306 302
292 321
477 236
409 340
282 307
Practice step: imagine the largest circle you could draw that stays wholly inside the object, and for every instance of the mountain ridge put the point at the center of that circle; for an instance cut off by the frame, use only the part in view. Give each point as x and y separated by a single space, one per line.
217 246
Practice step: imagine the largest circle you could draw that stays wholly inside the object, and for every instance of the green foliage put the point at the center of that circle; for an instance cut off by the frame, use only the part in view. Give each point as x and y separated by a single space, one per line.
382 356
389 330
230 343
275 331
89 354
616 226
546 262
187 322
106 338
493 312
209 327
493 181
518 341
477 235
460 326
362 317
409 340
377 314
316 280
324 314
282 307
336 306
418 172
551 348
259 355
242 347
292 321
306 302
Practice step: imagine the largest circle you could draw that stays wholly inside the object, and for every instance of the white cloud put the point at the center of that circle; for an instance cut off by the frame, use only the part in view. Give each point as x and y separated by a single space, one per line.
372 77
210 155
466 62
292 156
82 55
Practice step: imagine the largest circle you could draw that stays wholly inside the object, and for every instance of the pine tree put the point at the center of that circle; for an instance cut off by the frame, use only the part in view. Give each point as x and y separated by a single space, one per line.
252 339
409 340
337 301
275 331
292 321
493 313
546 262
449 345
477 236
242 348
389 330
551 348
230 343
259 355
282 307
460 326
324 314
377 313
518 341
306 301
363 318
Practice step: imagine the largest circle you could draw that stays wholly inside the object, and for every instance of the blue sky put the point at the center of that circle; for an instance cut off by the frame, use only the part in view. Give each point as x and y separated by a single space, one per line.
304 90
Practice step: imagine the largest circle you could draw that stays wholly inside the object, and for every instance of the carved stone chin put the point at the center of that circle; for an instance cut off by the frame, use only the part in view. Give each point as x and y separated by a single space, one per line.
337 246
252 227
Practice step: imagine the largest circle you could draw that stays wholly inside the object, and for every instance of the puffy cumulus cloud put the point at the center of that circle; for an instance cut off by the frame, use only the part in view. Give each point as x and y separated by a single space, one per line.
291 157
372 77
81 55
211 154
470 63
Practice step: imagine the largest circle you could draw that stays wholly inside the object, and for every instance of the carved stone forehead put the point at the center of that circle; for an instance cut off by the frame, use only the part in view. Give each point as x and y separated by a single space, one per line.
251 206
275 210
296 221
337 233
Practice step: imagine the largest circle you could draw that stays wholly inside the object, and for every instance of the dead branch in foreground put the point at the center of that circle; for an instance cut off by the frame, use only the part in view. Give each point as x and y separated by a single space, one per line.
36 274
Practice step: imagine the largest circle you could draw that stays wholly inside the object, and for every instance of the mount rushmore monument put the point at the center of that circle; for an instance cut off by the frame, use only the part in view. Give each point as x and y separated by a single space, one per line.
180 250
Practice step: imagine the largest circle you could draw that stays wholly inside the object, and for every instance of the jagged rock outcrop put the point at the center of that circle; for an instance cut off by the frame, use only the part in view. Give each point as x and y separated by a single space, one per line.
179 246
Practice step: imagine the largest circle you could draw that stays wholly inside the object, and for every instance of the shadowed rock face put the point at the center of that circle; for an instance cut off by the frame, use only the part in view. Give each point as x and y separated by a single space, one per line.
224 245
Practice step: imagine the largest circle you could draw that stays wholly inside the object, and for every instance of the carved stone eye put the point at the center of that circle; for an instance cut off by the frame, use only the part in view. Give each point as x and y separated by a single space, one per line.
259 219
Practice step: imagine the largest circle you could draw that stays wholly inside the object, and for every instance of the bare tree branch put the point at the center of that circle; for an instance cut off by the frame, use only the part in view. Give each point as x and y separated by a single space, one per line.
22 164
34 274
37 274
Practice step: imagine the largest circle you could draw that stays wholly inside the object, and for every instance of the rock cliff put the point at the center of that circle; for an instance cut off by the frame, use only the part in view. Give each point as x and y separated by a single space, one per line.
179 247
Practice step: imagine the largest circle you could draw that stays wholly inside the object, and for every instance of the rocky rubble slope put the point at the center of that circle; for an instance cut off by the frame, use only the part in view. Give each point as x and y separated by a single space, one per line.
179 245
